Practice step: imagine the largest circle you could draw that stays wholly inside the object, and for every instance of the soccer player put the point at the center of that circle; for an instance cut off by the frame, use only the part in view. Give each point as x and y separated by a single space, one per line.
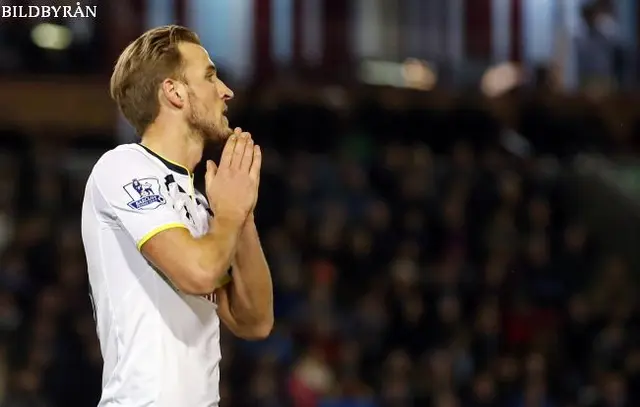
165 262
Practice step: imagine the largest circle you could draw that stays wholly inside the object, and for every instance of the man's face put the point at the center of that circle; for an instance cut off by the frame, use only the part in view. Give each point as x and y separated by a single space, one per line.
206 106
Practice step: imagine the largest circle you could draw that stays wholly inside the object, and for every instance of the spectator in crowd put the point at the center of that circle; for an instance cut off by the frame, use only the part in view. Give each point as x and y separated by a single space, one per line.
603 61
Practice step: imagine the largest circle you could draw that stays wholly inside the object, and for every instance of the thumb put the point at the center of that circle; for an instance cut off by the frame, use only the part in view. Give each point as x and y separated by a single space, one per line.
212 168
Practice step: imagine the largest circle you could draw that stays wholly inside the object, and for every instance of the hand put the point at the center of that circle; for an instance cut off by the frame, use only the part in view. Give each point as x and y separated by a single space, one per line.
232 187
239 132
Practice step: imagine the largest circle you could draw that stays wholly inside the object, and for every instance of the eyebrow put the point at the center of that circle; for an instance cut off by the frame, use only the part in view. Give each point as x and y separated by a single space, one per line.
211 69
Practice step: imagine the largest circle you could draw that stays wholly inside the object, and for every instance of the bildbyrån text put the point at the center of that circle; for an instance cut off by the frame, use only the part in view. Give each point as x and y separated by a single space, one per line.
78 11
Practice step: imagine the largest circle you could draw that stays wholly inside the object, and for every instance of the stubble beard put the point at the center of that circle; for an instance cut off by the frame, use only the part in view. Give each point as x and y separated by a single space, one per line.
206 129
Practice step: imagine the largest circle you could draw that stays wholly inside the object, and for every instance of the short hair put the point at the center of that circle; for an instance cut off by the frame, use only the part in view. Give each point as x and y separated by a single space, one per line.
141 69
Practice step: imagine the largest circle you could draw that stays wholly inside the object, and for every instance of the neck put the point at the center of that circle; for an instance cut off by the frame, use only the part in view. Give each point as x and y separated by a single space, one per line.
174 143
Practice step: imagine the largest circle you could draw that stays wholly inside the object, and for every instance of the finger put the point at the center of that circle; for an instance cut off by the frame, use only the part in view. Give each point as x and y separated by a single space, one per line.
238 151
254 172
227 152
247 158
237 131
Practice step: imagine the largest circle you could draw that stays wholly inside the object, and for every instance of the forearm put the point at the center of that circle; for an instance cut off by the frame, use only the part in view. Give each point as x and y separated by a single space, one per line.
218 247
251 293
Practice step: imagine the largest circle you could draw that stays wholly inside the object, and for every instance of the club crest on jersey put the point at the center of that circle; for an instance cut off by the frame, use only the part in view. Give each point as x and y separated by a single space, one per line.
144 193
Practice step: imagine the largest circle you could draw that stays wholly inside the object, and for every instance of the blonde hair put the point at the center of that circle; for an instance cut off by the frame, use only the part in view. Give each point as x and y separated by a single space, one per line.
141 69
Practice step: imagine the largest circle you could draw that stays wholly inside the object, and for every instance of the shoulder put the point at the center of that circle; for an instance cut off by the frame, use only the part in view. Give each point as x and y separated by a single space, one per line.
126 161
126 168
123 156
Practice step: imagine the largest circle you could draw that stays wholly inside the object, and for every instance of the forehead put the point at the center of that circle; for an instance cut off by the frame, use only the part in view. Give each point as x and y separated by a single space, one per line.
194 56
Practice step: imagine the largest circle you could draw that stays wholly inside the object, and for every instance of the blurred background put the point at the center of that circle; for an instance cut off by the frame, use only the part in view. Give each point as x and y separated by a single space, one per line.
450 198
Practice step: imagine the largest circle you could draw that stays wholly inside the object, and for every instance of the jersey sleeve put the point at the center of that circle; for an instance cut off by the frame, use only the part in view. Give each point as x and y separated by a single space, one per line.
135 193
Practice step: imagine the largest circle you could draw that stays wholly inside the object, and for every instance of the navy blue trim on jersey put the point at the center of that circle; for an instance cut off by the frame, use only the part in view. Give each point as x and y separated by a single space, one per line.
173 167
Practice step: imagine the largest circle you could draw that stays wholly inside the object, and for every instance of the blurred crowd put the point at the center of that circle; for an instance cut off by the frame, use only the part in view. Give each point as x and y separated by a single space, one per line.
420 257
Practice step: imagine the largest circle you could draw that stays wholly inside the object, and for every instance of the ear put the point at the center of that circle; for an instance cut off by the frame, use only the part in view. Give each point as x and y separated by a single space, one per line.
173 92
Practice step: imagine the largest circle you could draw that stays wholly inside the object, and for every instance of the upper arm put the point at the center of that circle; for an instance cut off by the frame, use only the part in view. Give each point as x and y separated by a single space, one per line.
136 195
175 253
224 310
225 313
223 301
248 330
237 327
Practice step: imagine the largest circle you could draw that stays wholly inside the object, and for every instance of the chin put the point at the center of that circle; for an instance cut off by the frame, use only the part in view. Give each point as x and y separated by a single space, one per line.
225 133
219 134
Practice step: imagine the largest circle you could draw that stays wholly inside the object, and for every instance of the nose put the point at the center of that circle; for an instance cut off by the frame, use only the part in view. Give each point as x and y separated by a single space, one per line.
227 93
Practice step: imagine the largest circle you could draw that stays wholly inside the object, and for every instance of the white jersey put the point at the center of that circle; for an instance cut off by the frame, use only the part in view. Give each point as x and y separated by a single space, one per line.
161 347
